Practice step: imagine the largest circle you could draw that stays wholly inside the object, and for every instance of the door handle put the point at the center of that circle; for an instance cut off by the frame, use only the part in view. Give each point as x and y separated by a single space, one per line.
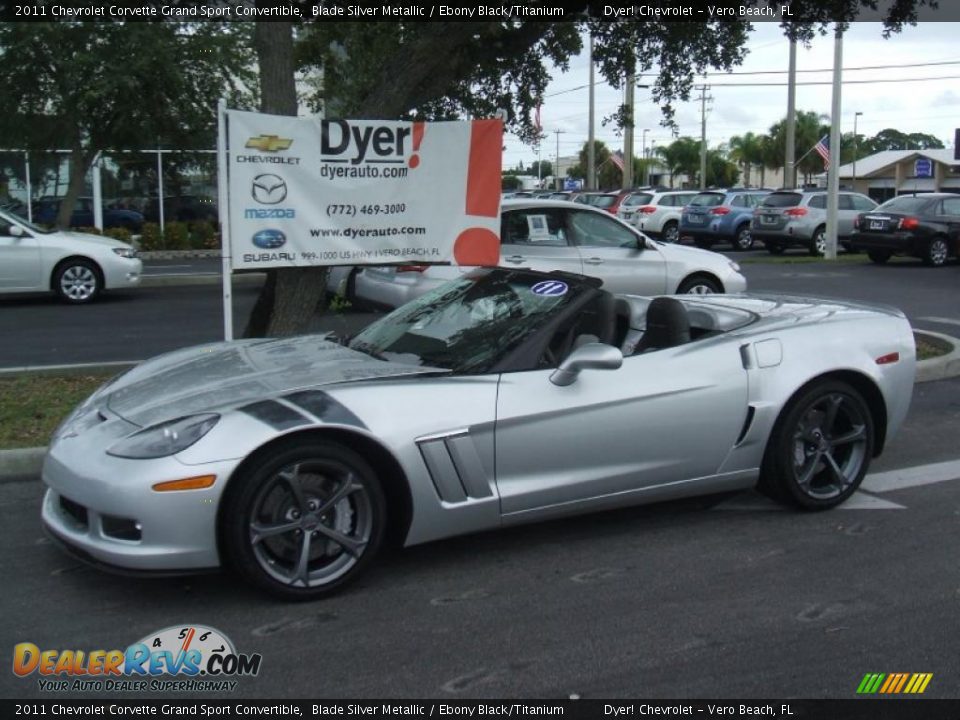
515 258
593 261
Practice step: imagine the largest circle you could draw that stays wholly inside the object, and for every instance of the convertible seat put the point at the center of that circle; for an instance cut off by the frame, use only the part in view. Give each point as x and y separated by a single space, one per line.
667 325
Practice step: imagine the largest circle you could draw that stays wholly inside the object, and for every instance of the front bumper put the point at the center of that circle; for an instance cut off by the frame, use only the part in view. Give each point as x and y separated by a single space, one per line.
896 242
104 509
122 273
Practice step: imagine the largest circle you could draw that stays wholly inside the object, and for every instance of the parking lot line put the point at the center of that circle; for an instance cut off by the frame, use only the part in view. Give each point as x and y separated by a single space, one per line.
912 477
946 321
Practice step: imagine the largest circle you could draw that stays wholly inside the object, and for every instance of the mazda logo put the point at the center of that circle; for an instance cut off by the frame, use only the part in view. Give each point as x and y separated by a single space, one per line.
269 189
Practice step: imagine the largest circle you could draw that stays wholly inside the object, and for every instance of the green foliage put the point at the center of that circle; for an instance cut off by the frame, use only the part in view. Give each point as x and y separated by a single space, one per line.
339 303
681 157
119 233
91 230
203 235
510 182
176 236
150 238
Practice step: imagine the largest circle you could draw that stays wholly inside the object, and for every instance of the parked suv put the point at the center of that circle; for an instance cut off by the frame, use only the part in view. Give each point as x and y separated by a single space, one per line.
656 213
788 218
716 216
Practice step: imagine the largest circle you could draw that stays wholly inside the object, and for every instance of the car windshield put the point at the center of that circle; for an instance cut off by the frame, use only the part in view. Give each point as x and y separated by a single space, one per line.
10 216
469 324
778 199
707 200
906 203
637 199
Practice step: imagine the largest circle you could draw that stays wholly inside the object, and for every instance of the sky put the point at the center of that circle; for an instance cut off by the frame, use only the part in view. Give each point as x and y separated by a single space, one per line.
914 105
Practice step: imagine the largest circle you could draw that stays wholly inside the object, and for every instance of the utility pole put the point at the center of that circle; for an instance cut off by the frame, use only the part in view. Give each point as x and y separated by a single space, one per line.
833 174
556 165
591 151
628 133
790 154
703 134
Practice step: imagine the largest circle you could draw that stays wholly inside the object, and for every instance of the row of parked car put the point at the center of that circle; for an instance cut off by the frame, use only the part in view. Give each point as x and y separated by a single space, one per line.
129 214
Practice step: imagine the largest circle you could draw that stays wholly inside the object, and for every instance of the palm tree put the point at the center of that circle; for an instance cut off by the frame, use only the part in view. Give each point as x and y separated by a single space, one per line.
682 157
808 130
746 151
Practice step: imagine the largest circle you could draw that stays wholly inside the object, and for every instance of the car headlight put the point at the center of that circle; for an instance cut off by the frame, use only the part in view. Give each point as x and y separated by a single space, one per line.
125 252
735 266
167 438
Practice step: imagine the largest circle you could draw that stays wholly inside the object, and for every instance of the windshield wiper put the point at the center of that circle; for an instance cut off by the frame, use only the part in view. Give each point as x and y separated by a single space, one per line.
368 349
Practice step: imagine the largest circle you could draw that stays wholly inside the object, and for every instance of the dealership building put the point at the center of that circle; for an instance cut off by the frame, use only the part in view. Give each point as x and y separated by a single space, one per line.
897 172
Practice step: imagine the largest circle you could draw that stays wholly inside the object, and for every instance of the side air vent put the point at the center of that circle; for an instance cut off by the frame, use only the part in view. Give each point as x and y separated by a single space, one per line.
747 422
455 468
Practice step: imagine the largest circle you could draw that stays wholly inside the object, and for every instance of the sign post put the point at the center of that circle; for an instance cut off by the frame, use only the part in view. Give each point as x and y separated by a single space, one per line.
223 195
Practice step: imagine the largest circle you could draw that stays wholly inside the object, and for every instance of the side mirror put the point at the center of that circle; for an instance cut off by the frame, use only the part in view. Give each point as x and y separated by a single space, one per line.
16 231
592 356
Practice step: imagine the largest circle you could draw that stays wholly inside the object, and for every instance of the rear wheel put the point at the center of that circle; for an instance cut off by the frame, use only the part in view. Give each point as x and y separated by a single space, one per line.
743 239
820 447
878 256
670 233
303 520
818 243
937 252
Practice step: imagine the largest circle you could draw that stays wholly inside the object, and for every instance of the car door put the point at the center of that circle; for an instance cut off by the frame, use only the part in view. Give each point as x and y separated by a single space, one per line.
846 214
950 216
19 259
663 417
616 254
537 239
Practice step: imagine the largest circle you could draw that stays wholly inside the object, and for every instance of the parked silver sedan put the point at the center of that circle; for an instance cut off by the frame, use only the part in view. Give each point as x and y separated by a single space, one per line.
503 397
76 266
571 237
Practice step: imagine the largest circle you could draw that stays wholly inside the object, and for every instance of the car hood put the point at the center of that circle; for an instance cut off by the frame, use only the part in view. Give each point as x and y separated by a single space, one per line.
686 254
790 309
221 376
71 237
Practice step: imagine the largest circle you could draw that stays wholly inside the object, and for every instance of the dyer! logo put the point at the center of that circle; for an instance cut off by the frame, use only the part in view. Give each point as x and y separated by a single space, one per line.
342 142
184 651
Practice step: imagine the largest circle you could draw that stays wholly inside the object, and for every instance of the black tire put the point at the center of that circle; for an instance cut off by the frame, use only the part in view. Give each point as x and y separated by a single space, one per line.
699 285
774 248
878 256
670 232
936 252
818 243
743 239
828 426
303 519
77 281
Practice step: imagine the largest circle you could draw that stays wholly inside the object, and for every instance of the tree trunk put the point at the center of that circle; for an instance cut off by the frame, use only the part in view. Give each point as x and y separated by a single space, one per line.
290 296
79 164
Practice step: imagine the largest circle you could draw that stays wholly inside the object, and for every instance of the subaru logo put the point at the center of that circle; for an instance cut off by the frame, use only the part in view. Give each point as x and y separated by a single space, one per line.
269 239
269 189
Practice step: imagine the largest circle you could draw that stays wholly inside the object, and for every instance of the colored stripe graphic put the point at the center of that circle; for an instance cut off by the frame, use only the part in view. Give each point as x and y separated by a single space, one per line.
894 683
483 170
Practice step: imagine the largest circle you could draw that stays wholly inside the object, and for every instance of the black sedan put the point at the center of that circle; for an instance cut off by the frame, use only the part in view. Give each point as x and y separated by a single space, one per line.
925 226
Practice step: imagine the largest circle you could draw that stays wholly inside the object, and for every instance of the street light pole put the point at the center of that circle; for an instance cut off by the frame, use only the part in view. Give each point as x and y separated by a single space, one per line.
646 174
855 116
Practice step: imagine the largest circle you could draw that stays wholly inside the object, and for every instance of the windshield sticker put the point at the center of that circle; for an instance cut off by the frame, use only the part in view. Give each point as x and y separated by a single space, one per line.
550 288
537 225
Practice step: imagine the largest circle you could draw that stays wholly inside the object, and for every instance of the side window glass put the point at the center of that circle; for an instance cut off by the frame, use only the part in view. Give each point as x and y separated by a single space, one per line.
738 201
594 230
844 202
534 227
818 201
951 206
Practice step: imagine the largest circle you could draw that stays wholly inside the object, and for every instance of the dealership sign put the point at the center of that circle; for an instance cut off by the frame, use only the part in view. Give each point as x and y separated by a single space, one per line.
362 192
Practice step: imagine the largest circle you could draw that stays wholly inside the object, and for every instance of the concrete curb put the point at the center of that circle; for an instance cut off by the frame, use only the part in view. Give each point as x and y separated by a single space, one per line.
177 254
25 463
943 366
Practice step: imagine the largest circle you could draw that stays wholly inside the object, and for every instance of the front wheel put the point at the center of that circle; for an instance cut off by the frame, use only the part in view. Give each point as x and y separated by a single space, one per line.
77 281
936 253
699 285
303 520
820 447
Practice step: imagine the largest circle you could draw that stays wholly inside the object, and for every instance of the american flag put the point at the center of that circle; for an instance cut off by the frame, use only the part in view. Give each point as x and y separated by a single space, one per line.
617 159
823 150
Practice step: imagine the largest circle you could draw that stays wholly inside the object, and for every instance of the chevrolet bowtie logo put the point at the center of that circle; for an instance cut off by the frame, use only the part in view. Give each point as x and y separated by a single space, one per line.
269 143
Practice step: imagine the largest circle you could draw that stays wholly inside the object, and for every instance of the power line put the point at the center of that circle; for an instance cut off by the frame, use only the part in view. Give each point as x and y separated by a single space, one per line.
845 82
850 69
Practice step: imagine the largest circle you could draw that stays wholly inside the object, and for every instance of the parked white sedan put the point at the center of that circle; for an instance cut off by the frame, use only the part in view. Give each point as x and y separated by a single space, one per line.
550 235
76 266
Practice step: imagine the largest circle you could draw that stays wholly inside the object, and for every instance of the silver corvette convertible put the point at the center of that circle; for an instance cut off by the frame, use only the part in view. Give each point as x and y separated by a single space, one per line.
502 397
